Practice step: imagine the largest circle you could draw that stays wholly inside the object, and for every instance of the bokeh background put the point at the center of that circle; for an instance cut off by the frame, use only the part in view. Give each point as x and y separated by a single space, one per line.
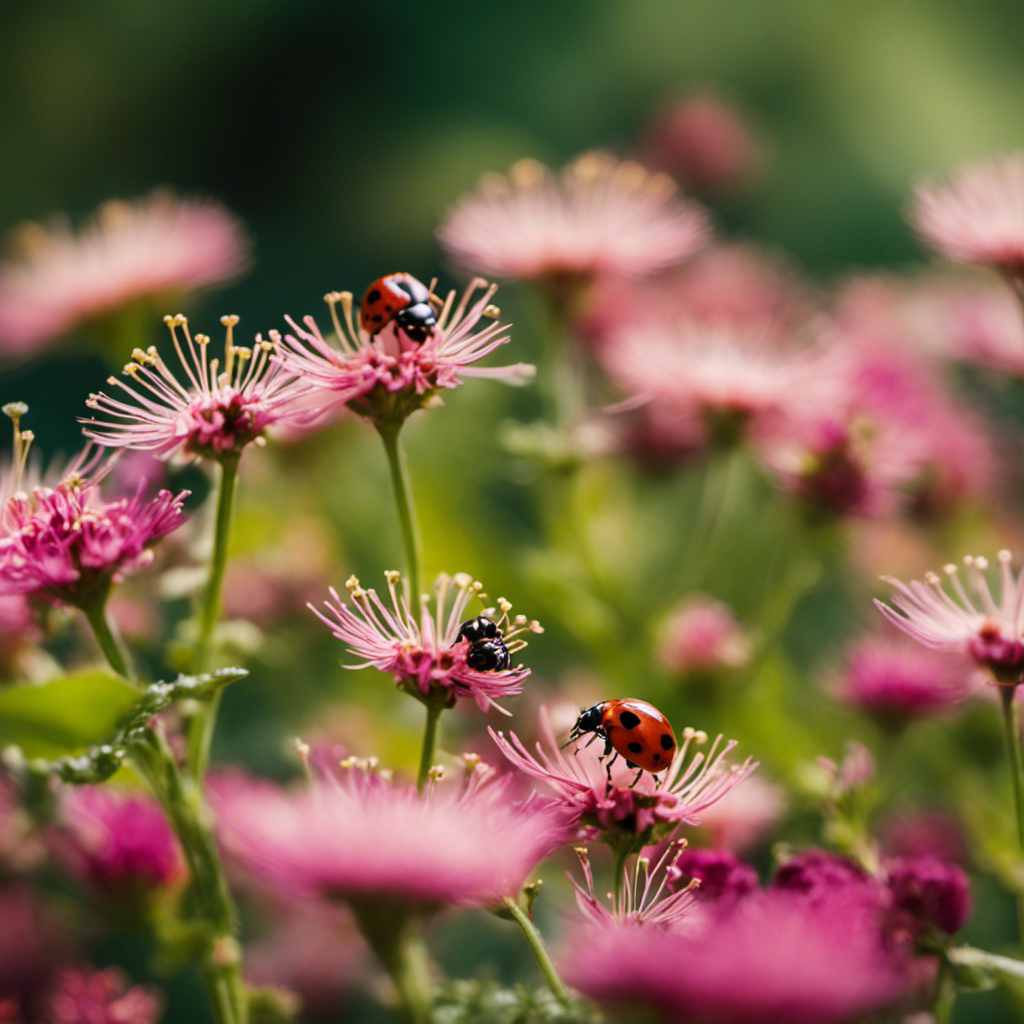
340 132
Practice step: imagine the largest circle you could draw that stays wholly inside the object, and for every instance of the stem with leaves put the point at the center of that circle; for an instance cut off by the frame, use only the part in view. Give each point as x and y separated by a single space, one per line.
511 908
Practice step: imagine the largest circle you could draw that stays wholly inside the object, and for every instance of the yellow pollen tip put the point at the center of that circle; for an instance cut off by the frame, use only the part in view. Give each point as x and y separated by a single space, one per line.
169 320
492 311
15 410
230 319
114 380
352 583
436 772
527 173
1004 556
202 339
392 575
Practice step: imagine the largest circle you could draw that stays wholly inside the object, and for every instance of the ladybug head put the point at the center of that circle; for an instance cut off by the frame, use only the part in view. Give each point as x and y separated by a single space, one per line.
589 721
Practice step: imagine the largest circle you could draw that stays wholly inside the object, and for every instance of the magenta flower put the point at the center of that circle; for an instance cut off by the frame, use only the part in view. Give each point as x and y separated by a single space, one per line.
387 376
101 997
214 413
66 544
361 836
647 898
118 841
649 810
895 682
157 250
775 957
423 653
722 878
990 631
928 892
702 635
978 217
601 217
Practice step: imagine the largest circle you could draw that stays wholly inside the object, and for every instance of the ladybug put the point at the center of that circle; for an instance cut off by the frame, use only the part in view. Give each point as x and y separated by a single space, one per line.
402 299
632 728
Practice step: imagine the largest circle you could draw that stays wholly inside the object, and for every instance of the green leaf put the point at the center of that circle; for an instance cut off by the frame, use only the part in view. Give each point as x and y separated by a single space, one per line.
977 968
65 715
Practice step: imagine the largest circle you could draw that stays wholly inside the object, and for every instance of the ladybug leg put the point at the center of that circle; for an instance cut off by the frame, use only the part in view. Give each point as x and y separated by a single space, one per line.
637 779
608 767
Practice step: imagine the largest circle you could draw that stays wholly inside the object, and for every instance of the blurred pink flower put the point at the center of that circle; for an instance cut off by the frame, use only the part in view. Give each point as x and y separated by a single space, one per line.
602 217
651 808
100 997
929 893
715 380
702 635
895 682
745 815
704 142
215 413
117 840
33 944
722 878
978 217
157 249
424 654
991 631
924 832
67 544
359 835
388 376
775 957
647 898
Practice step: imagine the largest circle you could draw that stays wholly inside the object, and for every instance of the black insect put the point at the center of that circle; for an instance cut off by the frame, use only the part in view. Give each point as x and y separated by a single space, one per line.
490 655
480 628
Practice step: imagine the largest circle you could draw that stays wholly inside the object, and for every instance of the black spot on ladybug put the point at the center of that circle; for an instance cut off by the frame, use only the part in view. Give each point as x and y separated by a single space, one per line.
667 743
389 308
374 296
656 758
636 748
629 721
377 318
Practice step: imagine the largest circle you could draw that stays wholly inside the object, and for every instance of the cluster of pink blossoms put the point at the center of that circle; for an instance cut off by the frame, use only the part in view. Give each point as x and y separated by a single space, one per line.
423 652
157 249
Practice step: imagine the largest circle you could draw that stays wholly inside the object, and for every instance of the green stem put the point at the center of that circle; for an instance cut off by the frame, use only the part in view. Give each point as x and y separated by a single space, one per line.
427 754
406 516
110 645
395 938
944 994
181 799
1007 695
539 950
201 726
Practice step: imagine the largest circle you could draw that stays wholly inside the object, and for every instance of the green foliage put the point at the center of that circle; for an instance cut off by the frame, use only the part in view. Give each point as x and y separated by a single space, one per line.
485 1002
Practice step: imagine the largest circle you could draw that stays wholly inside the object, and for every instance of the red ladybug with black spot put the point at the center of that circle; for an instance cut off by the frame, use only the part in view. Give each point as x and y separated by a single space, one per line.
633 729
401 299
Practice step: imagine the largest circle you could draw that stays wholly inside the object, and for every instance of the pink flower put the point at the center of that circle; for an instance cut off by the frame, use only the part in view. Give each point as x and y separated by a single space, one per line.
156 249
215 413
647 897
722 878
702 635
602 217
424 653
896 682
362 836
929 893
652 808
100 997
387 376
702 141
118 840
775 957
990 631
66 544
712 380
978 217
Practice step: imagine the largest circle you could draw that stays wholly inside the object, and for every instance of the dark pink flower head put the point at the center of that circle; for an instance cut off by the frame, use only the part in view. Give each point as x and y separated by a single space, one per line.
423 653
600 217
213 411
649 897
156 250
774 958
896 682
929 893
703 142
714 380
816 875
978 217
649 810
723 878
387 376
361 836
118 841
702 635
67 544
991 631
101 997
